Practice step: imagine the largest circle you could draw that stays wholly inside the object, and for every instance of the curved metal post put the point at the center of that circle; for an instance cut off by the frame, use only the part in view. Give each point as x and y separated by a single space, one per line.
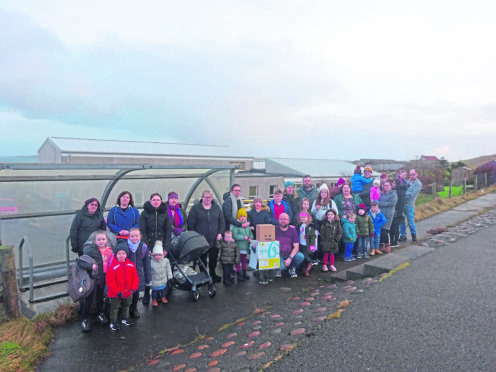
112 183
197 183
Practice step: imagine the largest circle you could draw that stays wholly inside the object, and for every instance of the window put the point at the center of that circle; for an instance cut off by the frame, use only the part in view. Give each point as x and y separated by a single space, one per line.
272 189
252 192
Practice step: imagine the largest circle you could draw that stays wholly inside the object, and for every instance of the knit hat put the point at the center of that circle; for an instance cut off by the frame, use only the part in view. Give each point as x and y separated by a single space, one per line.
172 194
384 175
157 249
367 168
289 183
376 182
323 187
362 206
241 212
340 182
357 170
122 247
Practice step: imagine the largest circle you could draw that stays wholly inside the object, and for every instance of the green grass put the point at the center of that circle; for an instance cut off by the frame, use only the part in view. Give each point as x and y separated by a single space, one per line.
455 191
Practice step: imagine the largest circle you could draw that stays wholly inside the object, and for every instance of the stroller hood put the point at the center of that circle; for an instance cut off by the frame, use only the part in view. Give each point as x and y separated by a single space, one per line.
190 247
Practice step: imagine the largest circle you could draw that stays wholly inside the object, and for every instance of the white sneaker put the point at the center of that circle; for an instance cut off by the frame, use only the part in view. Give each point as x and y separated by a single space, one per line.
324 268
333 268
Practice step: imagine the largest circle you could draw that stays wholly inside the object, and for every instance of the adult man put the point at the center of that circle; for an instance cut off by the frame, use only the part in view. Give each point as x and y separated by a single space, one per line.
233 203
288 238
365 193
414 187
308 190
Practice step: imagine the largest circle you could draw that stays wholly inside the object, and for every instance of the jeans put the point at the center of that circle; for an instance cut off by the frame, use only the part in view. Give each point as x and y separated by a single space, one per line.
158 293
374 240
295 262
348 249
362 246
410 214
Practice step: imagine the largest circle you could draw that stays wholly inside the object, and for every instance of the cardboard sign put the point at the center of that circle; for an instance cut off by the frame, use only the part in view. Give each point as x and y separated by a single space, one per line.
267 254
265 233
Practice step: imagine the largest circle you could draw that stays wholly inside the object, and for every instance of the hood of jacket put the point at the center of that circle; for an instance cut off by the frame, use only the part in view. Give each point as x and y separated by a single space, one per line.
162 208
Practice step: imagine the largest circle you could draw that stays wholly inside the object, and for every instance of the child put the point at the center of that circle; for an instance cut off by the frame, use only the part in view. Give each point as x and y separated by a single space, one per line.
357 180
228 256
349 235
364 229
138 255
330 233
307 242
122 282
375 190
102 254
379 220
243 237
161 273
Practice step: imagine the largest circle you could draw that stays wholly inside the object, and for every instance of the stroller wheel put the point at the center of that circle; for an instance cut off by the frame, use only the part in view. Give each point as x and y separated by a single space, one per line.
211 290
196 295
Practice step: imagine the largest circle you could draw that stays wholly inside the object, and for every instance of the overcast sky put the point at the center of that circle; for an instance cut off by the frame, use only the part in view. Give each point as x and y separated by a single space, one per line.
309 79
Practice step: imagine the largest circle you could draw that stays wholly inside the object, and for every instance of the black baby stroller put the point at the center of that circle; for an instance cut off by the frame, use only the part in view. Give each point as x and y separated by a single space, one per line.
184 257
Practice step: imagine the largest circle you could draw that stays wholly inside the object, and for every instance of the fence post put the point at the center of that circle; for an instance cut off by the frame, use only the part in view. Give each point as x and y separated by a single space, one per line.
464 186
485 179
434 190
9 292
450 189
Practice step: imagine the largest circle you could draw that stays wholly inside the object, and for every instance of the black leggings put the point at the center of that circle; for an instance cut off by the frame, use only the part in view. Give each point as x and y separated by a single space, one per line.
212 254
98 292
384 236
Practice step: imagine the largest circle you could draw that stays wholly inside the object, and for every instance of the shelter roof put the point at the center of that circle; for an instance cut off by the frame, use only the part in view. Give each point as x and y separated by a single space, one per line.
319 168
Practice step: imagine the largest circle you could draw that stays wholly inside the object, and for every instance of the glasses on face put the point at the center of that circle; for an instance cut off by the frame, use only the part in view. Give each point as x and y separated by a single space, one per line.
93 204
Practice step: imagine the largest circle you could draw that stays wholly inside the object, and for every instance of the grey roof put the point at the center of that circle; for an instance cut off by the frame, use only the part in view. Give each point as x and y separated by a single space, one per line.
19 159
318 168
104 146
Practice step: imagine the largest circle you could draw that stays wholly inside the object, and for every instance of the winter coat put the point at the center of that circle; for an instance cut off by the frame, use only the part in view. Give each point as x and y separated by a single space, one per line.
140 259
260 218
339 202
228 252
412 192
309 194
239 234
82 226
287 210
177 230
119 219
401 187
330 235
92 250
320 214
379 220
161 272
155 224
227 210
293 201
364 225
387 203
208 222
122 278
349 231
310 234
365 194
357 182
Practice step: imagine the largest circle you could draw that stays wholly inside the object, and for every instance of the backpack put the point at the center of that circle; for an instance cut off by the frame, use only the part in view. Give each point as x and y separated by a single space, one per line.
80 284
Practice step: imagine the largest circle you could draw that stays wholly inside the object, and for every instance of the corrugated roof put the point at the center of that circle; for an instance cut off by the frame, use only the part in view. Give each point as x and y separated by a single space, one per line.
318 168
105 146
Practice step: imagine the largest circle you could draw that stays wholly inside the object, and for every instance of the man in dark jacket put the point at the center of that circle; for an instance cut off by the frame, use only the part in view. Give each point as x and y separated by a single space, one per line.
232 203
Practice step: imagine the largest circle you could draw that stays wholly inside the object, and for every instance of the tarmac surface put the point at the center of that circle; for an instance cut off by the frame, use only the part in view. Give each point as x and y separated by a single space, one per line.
433 311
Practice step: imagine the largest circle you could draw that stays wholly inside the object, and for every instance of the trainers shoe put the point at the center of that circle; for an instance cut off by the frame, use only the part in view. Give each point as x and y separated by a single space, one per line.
333 268
402 238
85 326
154 303
359 256
278 274
164 300
348 259
366 256
127 322
263 281
315 262
394 245
114 326
324 268
292 272
269 280
102 319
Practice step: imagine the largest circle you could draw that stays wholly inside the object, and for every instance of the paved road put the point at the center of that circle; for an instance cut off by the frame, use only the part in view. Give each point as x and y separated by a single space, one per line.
438 314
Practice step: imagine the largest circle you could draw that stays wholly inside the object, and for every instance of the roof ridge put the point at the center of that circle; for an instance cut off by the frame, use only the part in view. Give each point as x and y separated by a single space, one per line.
135 141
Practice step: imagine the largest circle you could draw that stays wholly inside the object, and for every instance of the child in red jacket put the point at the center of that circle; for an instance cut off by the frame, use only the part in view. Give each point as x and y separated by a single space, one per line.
122 282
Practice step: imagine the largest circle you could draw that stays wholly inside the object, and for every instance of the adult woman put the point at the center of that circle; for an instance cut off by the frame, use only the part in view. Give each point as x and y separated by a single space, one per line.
346 201
206 218
154 222
322 204
123 216
387 204
176 214
87 220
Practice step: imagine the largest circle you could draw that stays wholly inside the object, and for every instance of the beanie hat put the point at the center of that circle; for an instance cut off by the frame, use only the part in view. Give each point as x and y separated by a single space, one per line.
362 206
289 183
368 168
122 247
341 181
241 212
376 181
357 170
157 249
323 187
172 194
384 175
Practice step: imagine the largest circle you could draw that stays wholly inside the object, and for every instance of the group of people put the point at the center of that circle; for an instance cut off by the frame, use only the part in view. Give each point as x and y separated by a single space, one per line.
312 224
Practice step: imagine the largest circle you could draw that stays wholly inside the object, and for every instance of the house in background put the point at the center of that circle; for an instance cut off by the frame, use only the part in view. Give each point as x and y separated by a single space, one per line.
427 162
382 165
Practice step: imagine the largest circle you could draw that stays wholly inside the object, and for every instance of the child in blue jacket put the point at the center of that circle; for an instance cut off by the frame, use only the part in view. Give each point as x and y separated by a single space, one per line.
379 220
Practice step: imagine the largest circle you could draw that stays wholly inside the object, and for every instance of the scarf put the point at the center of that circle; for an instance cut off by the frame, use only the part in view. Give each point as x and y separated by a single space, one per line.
176 217
133 247
234 211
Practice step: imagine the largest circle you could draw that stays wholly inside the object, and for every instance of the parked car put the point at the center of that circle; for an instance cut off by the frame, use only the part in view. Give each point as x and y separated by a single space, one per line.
8 206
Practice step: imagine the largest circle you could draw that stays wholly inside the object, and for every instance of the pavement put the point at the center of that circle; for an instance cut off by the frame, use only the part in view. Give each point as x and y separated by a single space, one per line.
436 297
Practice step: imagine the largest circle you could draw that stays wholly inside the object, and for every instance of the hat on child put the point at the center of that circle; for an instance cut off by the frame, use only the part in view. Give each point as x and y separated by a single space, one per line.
157 249
340 182
362 206
289 183
357 170
367 168
122 247
376 182
241 212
